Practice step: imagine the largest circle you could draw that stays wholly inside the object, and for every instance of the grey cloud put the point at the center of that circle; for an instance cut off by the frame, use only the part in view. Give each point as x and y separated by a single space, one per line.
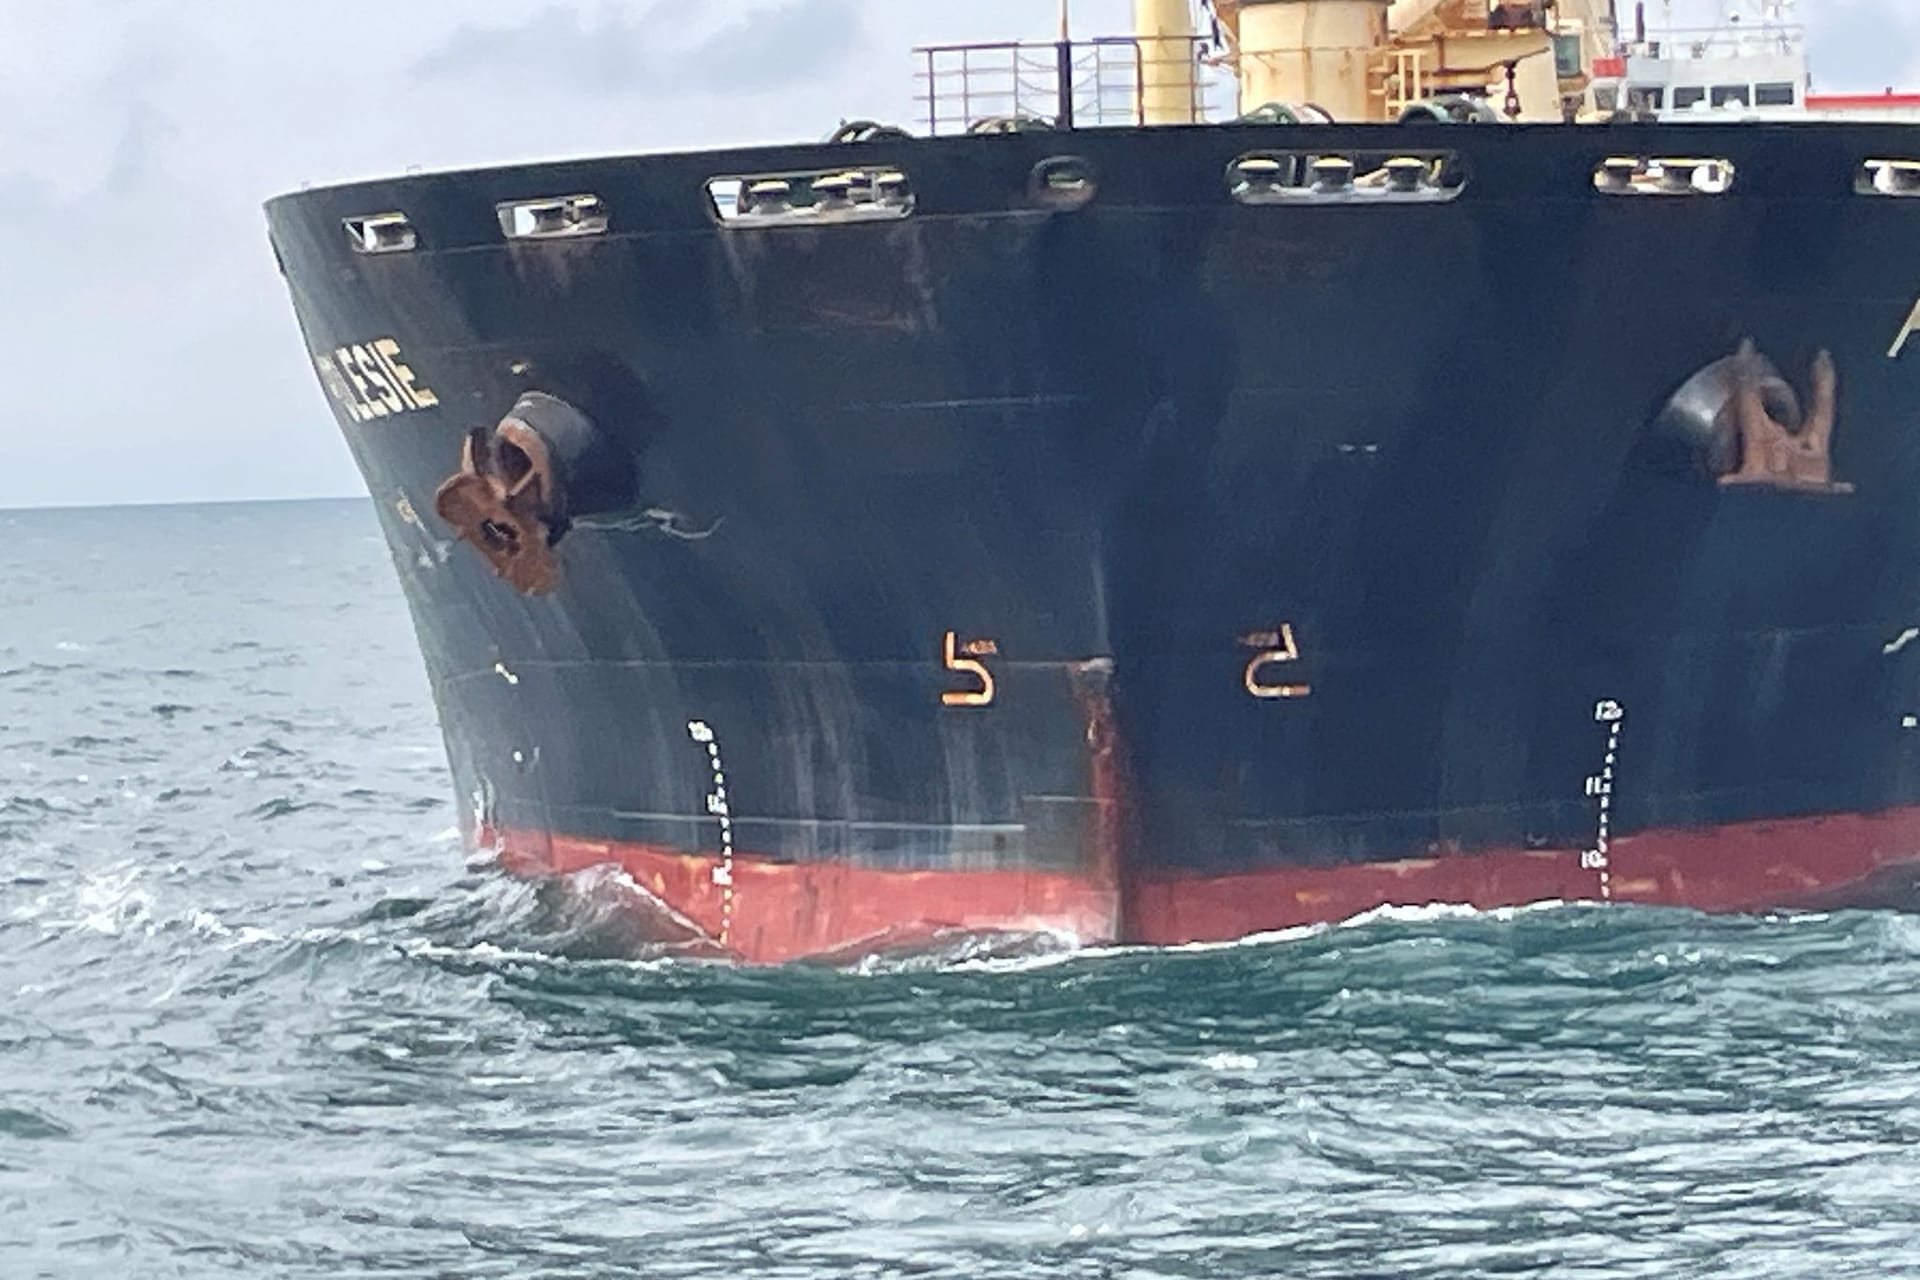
785 46
612 53
136 165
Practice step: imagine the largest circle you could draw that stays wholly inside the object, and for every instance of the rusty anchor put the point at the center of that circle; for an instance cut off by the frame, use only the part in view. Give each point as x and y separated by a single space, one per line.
1748 428
499 503
520 484
1779 455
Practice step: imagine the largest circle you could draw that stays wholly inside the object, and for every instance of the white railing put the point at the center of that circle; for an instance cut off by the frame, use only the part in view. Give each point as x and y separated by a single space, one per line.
1110 81
1699 44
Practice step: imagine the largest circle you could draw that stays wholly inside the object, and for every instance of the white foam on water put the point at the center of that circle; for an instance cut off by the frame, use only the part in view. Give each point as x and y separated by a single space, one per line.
1432 911
1900 933
209 925
110 902
1230 1062
1421 914
491 953
1034 949
1797 917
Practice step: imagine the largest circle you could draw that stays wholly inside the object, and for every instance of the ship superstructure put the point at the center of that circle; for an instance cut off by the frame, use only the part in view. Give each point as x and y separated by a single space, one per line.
1350 60
1058 523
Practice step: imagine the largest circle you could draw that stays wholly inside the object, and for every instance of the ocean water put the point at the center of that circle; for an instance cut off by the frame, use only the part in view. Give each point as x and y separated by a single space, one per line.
261 1015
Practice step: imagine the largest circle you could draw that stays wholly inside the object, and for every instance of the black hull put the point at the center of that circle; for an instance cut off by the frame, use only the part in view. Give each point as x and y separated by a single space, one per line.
1408 452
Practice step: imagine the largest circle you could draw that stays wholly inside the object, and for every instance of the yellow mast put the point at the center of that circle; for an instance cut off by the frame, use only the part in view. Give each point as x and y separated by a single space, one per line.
1164 31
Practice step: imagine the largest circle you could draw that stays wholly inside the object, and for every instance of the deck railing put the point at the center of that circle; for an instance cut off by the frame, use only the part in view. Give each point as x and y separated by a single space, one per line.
1117 80
1697 43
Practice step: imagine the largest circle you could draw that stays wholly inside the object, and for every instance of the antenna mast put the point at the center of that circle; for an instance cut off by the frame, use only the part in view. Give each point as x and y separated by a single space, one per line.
1063 70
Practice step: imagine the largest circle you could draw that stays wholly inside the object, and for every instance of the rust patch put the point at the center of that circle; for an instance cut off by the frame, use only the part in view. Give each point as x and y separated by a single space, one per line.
1107 770
499 503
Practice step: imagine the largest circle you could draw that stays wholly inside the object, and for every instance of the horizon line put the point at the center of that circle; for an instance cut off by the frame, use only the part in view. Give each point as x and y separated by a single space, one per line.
157 503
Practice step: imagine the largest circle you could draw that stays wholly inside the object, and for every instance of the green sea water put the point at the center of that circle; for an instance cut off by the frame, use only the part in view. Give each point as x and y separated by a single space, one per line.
261 1015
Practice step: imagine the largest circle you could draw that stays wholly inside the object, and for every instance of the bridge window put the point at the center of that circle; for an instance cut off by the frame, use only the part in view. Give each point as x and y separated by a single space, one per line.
1688 95
1731 95
1645 98
1773 95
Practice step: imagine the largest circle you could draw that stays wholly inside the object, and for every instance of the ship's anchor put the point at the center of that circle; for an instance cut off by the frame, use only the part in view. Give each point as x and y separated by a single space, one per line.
520 485
1776 453
499 503
1746 425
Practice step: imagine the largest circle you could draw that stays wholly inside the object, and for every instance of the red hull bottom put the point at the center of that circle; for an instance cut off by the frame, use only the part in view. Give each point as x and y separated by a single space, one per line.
767 912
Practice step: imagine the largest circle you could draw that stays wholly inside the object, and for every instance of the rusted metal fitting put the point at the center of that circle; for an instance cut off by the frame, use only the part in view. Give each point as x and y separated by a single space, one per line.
520 485
1747 425
1784 456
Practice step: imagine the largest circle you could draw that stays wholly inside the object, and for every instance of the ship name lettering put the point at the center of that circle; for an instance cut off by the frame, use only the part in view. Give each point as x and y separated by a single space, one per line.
370 380
1907 330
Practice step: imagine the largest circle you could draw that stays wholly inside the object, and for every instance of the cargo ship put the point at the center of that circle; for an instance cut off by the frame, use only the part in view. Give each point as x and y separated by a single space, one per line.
1296 457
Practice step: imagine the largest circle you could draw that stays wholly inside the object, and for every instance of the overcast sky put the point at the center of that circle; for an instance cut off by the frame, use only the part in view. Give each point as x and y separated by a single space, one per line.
148 349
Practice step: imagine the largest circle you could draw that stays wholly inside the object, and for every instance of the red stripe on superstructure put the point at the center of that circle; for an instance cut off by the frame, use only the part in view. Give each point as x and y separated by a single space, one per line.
1860 101
786 911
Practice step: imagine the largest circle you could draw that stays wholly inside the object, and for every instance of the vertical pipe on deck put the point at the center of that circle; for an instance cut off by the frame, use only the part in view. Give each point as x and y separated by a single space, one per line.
1063 69
1164 31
